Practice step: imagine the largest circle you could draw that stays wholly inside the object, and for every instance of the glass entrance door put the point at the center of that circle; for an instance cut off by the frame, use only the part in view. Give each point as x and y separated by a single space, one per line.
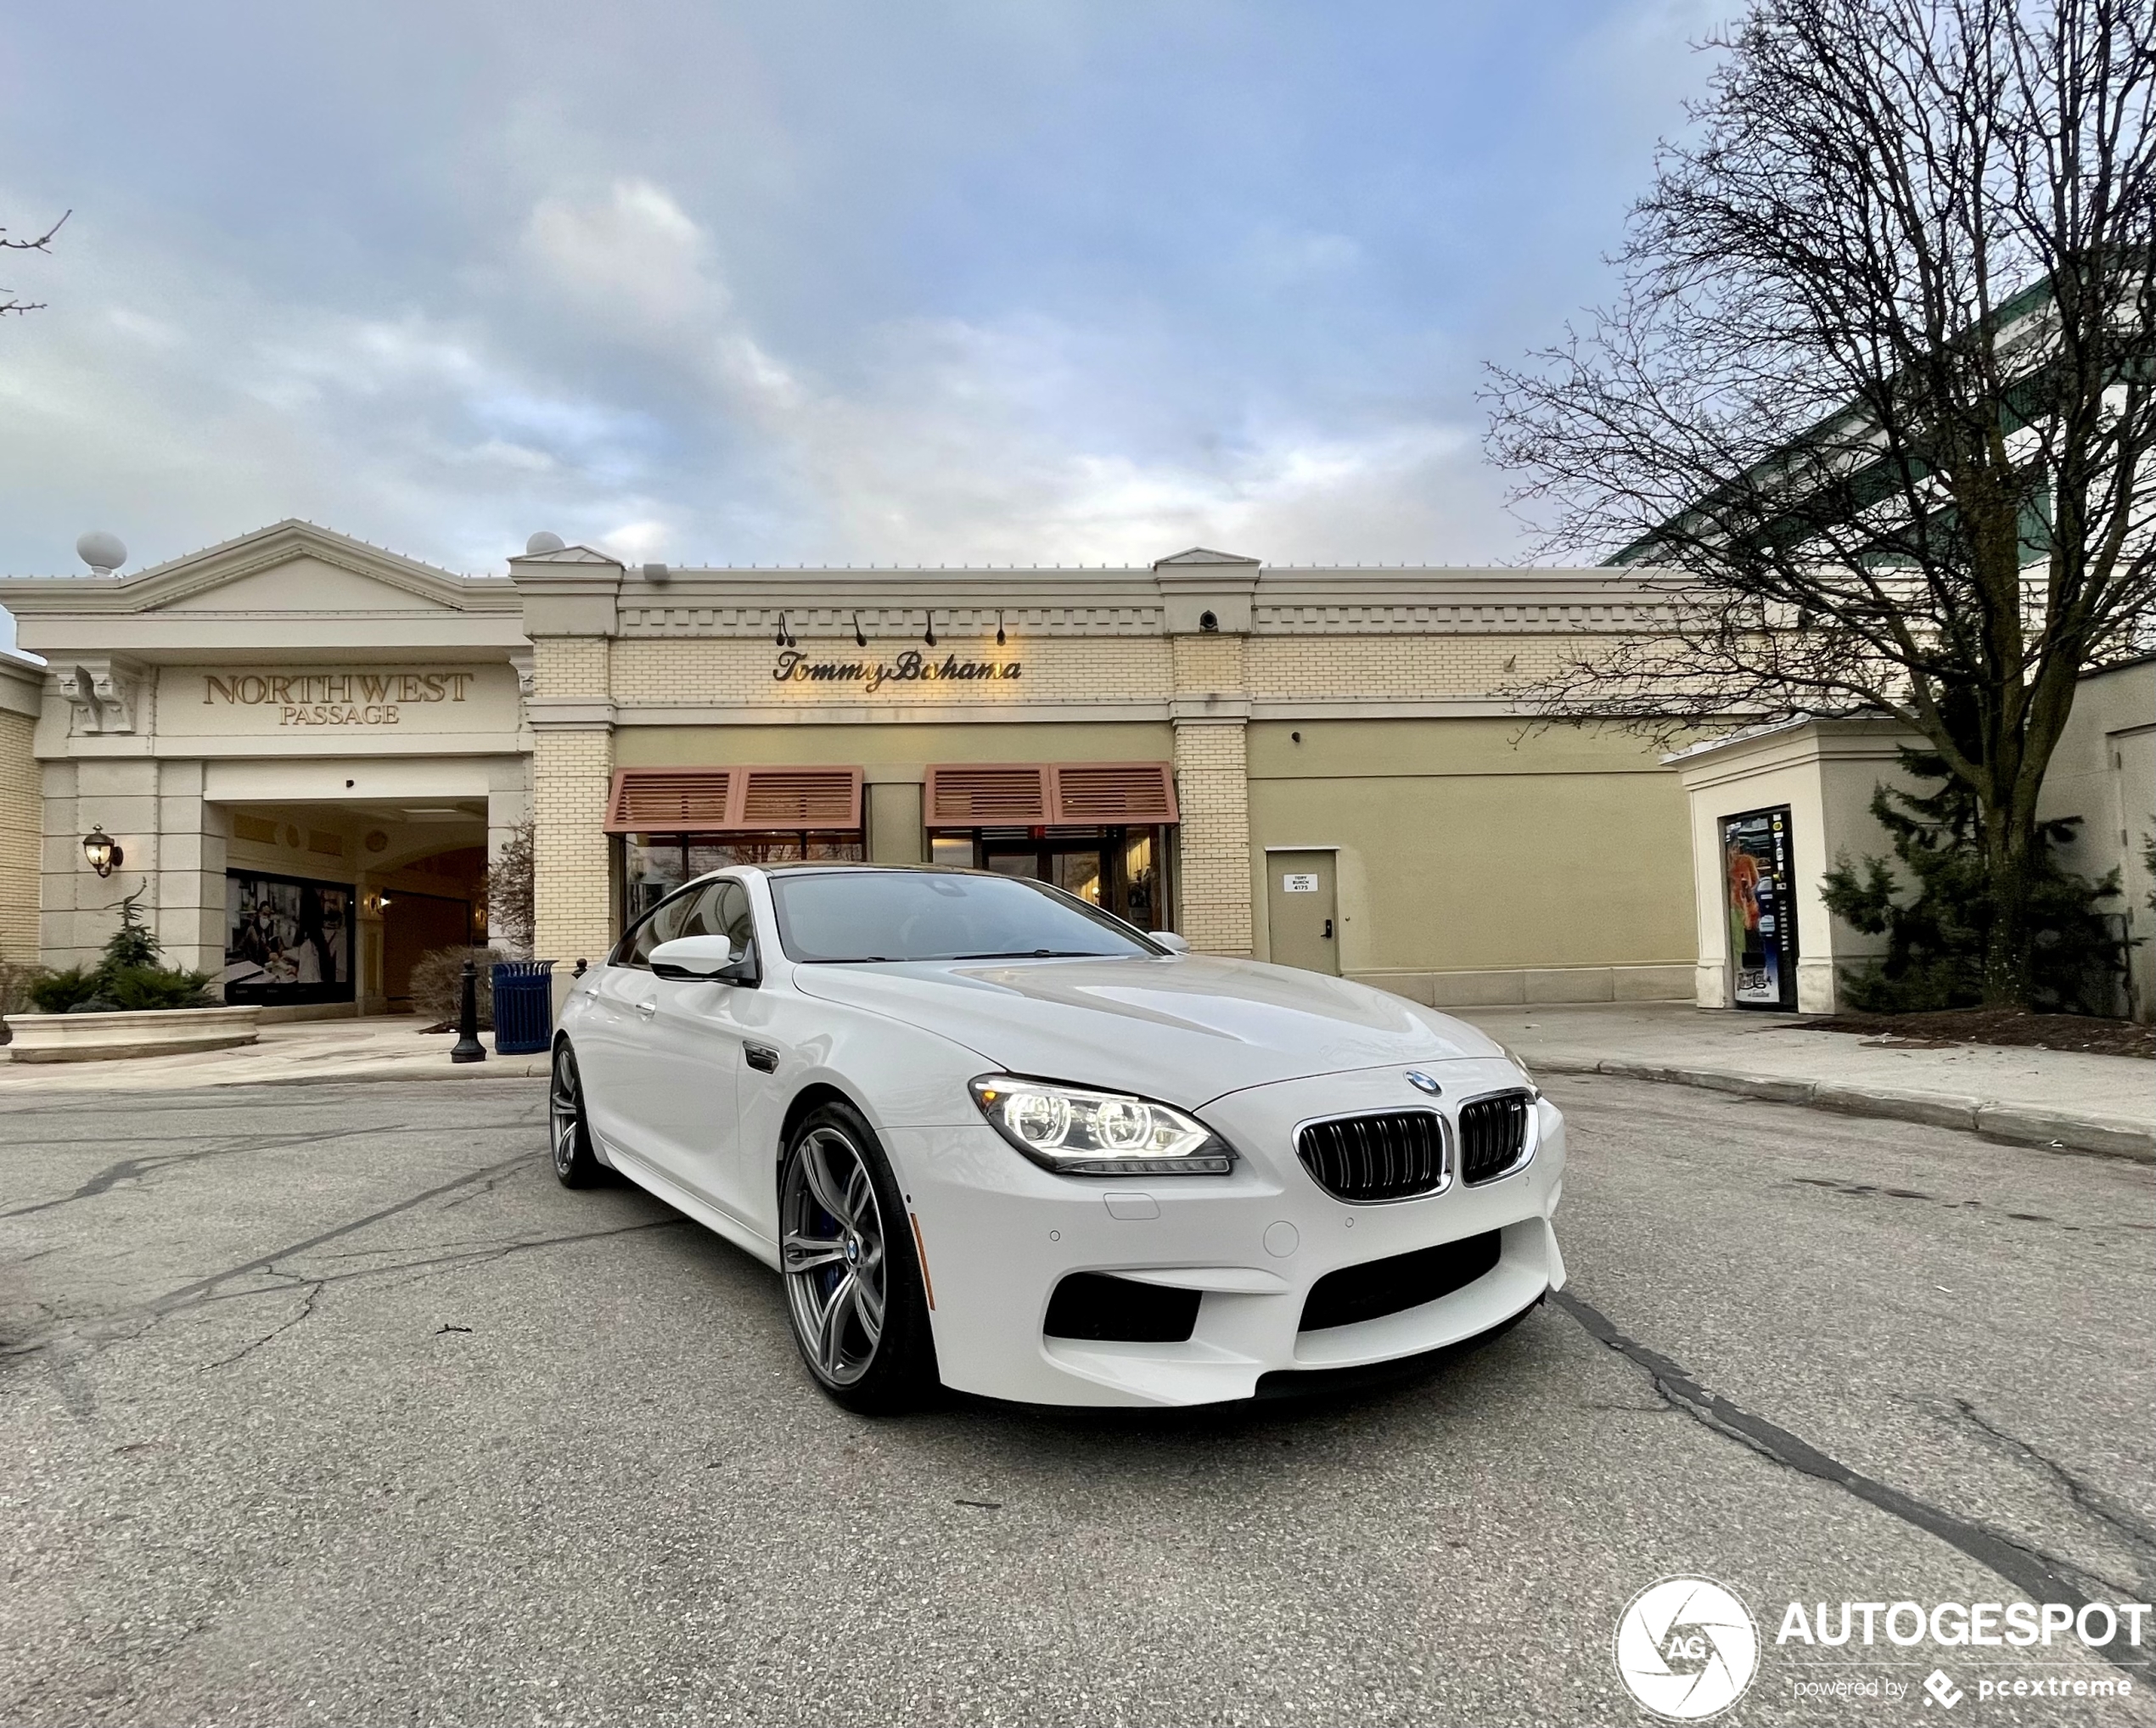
1115 869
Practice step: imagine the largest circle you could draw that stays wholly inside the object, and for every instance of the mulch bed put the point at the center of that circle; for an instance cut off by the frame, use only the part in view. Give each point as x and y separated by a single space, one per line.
2000 1026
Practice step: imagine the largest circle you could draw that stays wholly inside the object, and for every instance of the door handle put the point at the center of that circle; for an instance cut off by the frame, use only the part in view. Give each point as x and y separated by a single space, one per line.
1327 931
646 1009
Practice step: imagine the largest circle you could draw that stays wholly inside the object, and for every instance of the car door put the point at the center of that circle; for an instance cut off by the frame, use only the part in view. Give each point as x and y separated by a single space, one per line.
695 1063
614 1042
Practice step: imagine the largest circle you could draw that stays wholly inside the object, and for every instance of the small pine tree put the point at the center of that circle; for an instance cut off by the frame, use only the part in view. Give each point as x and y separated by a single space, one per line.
127 975
1935 939
131 944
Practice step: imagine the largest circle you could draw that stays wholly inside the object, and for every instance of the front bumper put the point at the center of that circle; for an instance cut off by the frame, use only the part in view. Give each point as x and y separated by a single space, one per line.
999 1234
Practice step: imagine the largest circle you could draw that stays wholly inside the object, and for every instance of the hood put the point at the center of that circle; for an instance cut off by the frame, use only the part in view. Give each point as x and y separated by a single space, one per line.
1183 1029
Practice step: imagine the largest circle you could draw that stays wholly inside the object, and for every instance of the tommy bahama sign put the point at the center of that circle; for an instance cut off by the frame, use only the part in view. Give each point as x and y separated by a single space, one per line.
912 667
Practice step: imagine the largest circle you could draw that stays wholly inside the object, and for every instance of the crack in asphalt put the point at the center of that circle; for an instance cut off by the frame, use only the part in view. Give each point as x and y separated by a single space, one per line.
310 1290
128 1169
2036 1573
485 1254
2138 1537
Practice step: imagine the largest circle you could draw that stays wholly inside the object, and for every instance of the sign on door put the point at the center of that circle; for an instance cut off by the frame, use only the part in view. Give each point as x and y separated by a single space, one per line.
1298 885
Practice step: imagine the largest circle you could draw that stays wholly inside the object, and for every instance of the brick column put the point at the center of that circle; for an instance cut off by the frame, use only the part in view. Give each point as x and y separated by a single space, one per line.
1213 788
572 763
1208 606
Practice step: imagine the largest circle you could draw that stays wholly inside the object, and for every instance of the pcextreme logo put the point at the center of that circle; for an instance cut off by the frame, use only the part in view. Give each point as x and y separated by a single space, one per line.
1687 1648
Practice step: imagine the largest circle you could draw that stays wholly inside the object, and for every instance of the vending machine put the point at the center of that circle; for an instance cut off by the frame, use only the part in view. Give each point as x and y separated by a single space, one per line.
1762 910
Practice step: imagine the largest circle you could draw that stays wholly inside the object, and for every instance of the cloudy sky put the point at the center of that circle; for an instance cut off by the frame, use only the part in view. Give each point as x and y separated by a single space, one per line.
793 282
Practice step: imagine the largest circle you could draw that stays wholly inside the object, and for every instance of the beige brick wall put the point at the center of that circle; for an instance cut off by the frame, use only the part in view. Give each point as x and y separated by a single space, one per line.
734 670
570 666
1213 788
1211 664
574 887
21 819
1399 668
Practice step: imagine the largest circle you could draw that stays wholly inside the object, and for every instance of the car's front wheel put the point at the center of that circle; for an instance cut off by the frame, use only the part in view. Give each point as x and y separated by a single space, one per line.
854 1291
575 1165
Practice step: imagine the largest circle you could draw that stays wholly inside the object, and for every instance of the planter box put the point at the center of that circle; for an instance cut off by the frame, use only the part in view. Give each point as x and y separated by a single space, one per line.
149 1032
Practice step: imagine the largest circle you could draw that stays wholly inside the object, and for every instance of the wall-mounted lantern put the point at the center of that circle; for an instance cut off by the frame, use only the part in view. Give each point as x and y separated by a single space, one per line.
372 902
102 851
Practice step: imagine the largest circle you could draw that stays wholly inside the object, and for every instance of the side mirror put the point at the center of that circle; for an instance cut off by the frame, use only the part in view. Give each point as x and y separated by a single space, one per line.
696 959
1170 940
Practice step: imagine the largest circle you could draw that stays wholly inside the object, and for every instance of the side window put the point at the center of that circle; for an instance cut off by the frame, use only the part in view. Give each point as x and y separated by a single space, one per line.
732 919
667 920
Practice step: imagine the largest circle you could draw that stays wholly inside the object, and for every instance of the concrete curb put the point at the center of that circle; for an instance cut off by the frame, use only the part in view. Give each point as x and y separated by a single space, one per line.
2010 1125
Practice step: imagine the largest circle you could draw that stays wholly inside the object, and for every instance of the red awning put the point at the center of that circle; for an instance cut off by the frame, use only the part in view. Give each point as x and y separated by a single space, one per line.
734 799
1033 794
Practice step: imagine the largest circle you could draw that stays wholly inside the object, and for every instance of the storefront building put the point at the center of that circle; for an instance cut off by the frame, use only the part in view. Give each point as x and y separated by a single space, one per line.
308 749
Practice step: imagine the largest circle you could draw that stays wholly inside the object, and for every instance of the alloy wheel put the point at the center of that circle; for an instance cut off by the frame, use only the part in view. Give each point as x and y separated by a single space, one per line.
832 1247
564 1112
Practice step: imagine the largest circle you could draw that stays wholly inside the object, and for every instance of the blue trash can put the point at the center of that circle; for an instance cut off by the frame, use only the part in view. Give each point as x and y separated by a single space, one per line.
524 1007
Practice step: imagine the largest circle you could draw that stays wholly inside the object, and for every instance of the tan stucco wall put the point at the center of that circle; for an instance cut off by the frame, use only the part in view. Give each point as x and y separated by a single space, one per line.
1482 861
2104 771
21 816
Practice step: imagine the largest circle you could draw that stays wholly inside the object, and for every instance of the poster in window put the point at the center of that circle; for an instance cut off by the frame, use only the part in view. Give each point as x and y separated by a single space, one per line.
1762 911
286 940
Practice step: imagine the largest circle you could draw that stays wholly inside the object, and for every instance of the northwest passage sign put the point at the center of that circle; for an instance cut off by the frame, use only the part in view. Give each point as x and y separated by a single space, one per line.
335 699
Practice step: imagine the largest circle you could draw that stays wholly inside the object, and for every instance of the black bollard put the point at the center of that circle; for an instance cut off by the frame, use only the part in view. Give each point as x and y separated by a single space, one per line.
468 1048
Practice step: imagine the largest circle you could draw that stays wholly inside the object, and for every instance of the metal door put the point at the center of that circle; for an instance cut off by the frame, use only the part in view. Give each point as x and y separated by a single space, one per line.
1300 910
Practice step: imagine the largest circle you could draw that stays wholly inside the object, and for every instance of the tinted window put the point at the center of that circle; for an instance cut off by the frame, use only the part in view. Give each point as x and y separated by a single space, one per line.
682 916
906 915
731 918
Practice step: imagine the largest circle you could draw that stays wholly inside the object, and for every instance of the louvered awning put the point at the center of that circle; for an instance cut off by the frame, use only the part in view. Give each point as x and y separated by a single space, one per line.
720 801
1036 794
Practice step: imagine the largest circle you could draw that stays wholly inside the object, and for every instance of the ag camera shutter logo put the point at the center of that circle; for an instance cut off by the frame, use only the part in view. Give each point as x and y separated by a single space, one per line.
1687 1648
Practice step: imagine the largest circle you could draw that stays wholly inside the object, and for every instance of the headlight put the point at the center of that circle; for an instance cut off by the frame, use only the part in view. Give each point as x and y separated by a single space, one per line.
1513 1057
1080 1133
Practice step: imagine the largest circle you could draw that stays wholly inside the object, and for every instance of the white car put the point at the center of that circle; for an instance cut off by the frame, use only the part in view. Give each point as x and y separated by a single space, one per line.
991 1136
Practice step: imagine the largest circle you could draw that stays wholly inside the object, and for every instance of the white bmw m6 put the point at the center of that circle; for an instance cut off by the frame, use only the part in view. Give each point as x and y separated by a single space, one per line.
992 1137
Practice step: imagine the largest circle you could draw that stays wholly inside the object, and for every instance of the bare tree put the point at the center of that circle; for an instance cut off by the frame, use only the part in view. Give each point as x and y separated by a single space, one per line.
508 888
43 243
1879 388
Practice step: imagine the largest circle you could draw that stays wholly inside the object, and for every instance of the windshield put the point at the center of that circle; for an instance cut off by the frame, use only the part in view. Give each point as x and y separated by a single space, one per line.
856 915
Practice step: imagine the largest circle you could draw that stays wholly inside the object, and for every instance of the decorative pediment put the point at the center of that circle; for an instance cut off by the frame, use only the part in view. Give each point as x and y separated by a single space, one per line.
1203 555
291 569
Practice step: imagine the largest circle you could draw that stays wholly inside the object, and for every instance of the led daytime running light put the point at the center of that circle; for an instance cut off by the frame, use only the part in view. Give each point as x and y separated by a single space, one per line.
1077 1131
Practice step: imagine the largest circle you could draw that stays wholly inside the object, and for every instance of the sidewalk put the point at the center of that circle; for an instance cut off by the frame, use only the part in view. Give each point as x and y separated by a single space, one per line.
390 1047
2057 1098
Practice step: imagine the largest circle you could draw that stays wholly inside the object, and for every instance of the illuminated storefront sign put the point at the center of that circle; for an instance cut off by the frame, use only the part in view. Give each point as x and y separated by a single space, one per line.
912 667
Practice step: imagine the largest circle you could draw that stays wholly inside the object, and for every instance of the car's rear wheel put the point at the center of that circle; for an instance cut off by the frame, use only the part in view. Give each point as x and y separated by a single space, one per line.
853 1282
570 1133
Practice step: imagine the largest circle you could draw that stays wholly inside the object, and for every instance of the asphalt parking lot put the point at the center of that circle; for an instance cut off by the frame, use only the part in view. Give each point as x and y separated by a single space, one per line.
325 1403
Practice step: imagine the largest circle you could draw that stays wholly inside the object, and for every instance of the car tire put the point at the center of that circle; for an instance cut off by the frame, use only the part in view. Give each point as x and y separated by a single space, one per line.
569 1131
855 1299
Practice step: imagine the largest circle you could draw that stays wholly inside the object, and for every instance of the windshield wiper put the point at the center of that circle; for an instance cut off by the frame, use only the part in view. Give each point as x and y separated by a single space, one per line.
1039 954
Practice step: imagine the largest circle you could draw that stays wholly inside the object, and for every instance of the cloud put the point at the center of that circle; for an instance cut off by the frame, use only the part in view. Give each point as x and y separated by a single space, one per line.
995 284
